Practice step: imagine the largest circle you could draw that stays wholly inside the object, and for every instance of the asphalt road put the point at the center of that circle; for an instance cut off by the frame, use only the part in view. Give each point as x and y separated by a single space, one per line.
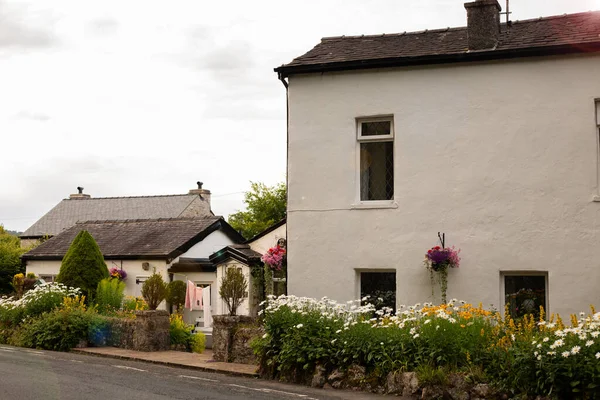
31 374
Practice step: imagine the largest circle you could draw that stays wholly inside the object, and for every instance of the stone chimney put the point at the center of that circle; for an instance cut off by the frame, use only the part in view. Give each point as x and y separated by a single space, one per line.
79 195
483 24
203 193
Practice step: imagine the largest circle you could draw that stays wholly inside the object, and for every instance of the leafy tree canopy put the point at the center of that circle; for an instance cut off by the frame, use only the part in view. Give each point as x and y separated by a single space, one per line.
10 264
265 206
83 266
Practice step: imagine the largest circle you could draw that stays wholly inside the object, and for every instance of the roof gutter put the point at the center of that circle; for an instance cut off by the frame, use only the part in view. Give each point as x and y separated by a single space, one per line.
434 59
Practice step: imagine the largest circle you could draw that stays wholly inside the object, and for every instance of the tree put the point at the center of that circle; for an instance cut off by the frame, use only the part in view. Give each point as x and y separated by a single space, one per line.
83 266
176 294
265 206
233 289
154 291
10 263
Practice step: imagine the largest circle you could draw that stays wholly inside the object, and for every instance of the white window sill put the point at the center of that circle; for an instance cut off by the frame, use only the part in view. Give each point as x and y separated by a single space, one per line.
370 205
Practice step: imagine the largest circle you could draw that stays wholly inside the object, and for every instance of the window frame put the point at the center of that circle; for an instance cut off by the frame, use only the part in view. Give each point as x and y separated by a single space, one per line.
358 280
504 274
366 204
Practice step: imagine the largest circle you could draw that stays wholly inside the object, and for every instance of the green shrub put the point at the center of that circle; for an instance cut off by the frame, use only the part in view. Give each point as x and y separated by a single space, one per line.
61 329
179 331
154 291
198 342
176 294
233 289
131 303
181 334
431 376
109 295
528 358
83 265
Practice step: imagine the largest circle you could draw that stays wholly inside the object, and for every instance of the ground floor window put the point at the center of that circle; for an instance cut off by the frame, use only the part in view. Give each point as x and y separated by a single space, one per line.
380 287
525 293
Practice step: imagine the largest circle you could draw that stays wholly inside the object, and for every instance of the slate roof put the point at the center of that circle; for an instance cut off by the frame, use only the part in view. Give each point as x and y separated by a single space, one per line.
569 33
70 211
134 239
240 252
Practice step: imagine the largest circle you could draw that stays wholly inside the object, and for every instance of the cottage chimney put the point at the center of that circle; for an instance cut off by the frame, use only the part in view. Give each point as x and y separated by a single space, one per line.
79 195
203 193
483 24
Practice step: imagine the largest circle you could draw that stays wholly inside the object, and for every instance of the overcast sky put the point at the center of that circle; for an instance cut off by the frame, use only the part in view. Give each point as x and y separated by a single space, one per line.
147 97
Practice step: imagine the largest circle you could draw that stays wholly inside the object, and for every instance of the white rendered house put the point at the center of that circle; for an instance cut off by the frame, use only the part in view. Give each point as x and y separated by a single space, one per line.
488 133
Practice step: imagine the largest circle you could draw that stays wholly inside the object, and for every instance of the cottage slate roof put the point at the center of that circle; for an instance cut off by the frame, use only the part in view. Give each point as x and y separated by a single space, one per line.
568 33
70 211
241 252
152 239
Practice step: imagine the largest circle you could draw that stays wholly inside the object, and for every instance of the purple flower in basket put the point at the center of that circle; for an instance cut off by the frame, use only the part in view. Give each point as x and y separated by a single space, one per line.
118 273
439 258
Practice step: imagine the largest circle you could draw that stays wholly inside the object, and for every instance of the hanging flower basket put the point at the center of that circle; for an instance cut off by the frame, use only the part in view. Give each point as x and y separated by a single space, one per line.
437 261
116 273
274 258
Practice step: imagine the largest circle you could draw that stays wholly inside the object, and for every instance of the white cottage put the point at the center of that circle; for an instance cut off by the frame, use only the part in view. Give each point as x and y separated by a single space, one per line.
176 248
489 133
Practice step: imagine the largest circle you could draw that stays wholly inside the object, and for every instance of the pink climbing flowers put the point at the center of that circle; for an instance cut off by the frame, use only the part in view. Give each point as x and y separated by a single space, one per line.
274 257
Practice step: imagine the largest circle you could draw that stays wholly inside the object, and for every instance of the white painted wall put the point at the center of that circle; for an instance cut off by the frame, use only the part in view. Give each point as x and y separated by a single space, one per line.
133 268
501 156
264 243
210 244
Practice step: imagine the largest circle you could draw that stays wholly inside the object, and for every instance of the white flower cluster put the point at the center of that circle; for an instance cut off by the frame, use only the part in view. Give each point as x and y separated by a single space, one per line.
570 340
325 307
349 313
38 292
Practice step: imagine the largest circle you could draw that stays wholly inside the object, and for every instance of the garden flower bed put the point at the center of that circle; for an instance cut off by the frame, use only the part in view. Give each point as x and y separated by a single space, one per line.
429 348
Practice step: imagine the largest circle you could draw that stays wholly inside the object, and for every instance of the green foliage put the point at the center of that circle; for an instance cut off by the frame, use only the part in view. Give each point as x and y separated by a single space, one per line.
83 265
176 294
131 303
10 263
429 375
61 329
154 291
109 295
233 289
198 342
181 334
265 206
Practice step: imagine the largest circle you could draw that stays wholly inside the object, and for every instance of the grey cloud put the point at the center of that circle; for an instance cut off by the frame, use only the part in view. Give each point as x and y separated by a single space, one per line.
14 32
103 26
32 115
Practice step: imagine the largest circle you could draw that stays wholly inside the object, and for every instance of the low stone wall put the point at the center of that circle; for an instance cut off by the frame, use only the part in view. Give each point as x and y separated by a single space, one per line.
232 336
404 384
148 331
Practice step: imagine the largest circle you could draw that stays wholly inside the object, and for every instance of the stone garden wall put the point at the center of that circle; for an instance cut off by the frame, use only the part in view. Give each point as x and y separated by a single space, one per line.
232 336
148 331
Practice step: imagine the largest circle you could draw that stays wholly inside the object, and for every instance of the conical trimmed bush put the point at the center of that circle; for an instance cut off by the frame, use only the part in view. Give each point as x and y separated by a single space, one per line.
83 266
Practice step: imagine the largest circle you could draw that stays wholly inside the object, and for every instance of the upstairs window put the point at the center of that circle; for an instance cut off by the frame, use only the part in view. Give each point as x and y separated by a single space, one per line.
376 146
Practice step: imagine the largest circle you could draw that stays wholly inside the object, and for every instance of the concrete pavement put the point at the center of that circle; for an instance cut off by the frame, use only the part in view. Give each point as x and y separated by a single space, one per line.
203 362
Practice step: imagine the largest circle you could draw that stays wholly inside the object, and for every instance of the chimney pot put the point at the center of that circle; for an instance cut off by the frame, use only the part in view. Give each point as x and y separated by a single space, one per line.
483 24
79 195
203 193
